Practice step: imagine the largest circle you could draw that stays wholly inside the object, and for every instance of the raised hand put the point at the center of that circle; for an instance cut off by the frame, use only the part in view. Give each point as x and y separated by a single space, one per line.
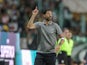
35 11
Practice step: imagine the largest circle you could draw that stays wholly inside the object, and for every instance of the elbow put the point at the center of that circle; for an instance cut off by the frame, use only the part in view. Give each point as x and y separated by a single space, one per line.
27 27
31 27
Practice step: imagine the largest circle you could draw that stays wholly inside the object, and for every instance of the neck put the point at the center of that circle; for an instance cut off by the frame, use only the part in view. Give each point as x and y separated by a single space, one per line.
67 38
46 22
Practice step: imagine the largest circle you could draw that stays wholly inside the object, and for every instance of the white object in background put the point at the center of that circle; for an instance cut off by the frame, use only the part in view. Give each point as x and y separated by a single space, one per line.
26 57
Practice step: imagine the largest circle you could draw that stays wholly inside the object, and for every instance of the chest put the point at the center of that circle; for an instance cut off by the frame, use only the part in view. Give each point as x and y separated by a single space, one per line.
48 28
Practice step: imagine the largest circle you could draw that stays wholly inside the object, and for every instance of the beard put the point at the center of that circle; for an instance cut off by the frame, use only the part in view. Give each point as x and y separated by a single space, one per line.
49 18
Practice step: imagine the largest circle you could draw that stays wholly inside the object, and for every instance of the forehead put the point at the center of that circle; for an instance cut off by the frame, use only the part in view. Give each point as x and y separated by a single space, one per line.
66 30
48 11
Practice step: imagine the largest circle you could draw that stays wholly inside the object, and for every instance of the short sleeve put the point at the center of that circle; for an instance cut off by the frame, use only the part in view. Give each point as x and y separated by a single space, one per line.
58 29
37 24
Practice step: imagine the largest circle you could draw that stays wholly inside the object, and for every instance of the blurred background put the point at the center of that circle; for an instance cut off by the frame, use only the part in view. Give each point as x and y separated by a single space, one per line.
14 15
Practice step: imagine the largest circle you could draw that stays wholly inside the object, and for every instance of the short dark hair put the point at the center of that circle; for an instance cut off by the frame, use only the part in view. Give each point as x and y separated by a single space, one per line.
66 29
45 10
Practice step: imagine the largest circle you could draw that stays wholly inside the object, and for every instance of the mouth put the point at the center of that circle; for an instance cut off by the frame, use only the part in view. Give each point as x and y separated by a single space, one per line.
49 18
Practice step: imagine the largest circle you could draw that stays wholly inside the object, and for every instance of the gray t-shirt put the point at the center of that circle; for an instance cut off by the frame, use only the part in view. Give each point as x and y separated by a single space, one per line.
47 36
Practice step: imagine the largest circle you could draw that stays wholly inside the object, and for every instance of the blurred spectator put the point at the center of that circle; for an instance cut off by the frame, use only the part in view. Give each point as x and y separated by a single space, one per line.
5 18
71 45
13 26
13 12
1 3
32 40
5 28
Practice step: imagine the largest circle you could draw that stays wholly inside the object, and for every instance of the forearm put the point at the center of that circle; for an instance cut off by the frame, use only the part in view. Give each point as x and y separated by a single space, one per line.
61 41
31 21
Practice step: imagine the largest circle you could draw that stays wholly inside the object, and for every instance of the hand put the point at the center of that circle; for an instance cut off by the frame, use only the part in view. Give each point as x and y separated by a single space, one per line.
35 11
57 48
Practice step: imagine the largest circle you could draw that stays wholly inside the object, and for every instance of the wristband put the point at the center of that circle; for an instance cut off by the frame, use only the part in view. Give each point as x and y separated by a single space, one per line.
62 38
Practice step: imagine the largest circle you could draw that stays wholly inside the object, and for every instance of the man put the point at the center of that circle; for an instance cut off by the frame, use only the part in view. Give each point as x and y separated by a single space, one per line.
47 36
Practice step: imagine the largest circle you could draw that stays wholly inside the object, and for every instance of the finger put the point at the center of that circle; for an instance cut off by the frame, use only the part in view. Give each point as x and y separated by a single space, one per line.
36 7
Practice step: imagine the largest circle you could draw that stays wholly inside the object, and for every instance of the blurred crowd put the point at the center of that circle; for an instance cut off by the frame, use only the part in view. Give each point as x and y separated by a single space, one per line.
14 14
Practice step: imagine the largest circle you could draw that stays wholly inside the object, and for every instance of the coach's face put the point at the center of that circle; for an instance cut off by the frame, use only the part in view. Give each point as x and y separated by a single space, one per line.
48 15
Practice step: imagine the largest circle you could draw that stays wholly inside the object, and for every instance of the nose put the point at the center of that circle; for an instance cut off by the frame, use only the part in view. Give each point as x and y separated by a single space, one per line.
50 15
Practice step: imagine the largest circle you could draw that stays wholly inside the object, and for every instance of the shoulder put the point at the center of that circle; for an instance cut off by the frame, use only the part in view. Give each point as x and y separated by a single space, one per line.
55 24
71 40
38 23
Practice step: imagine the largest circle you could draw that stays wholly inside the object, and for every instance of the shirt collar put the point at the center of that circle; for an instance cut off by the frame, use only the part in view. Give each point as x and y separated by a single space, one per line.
50 22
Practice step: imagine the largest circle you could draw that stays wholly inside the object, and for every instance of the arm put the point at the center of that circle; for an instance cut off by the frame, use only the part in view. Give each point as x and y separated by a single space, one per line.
57 48
61 37
30 24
